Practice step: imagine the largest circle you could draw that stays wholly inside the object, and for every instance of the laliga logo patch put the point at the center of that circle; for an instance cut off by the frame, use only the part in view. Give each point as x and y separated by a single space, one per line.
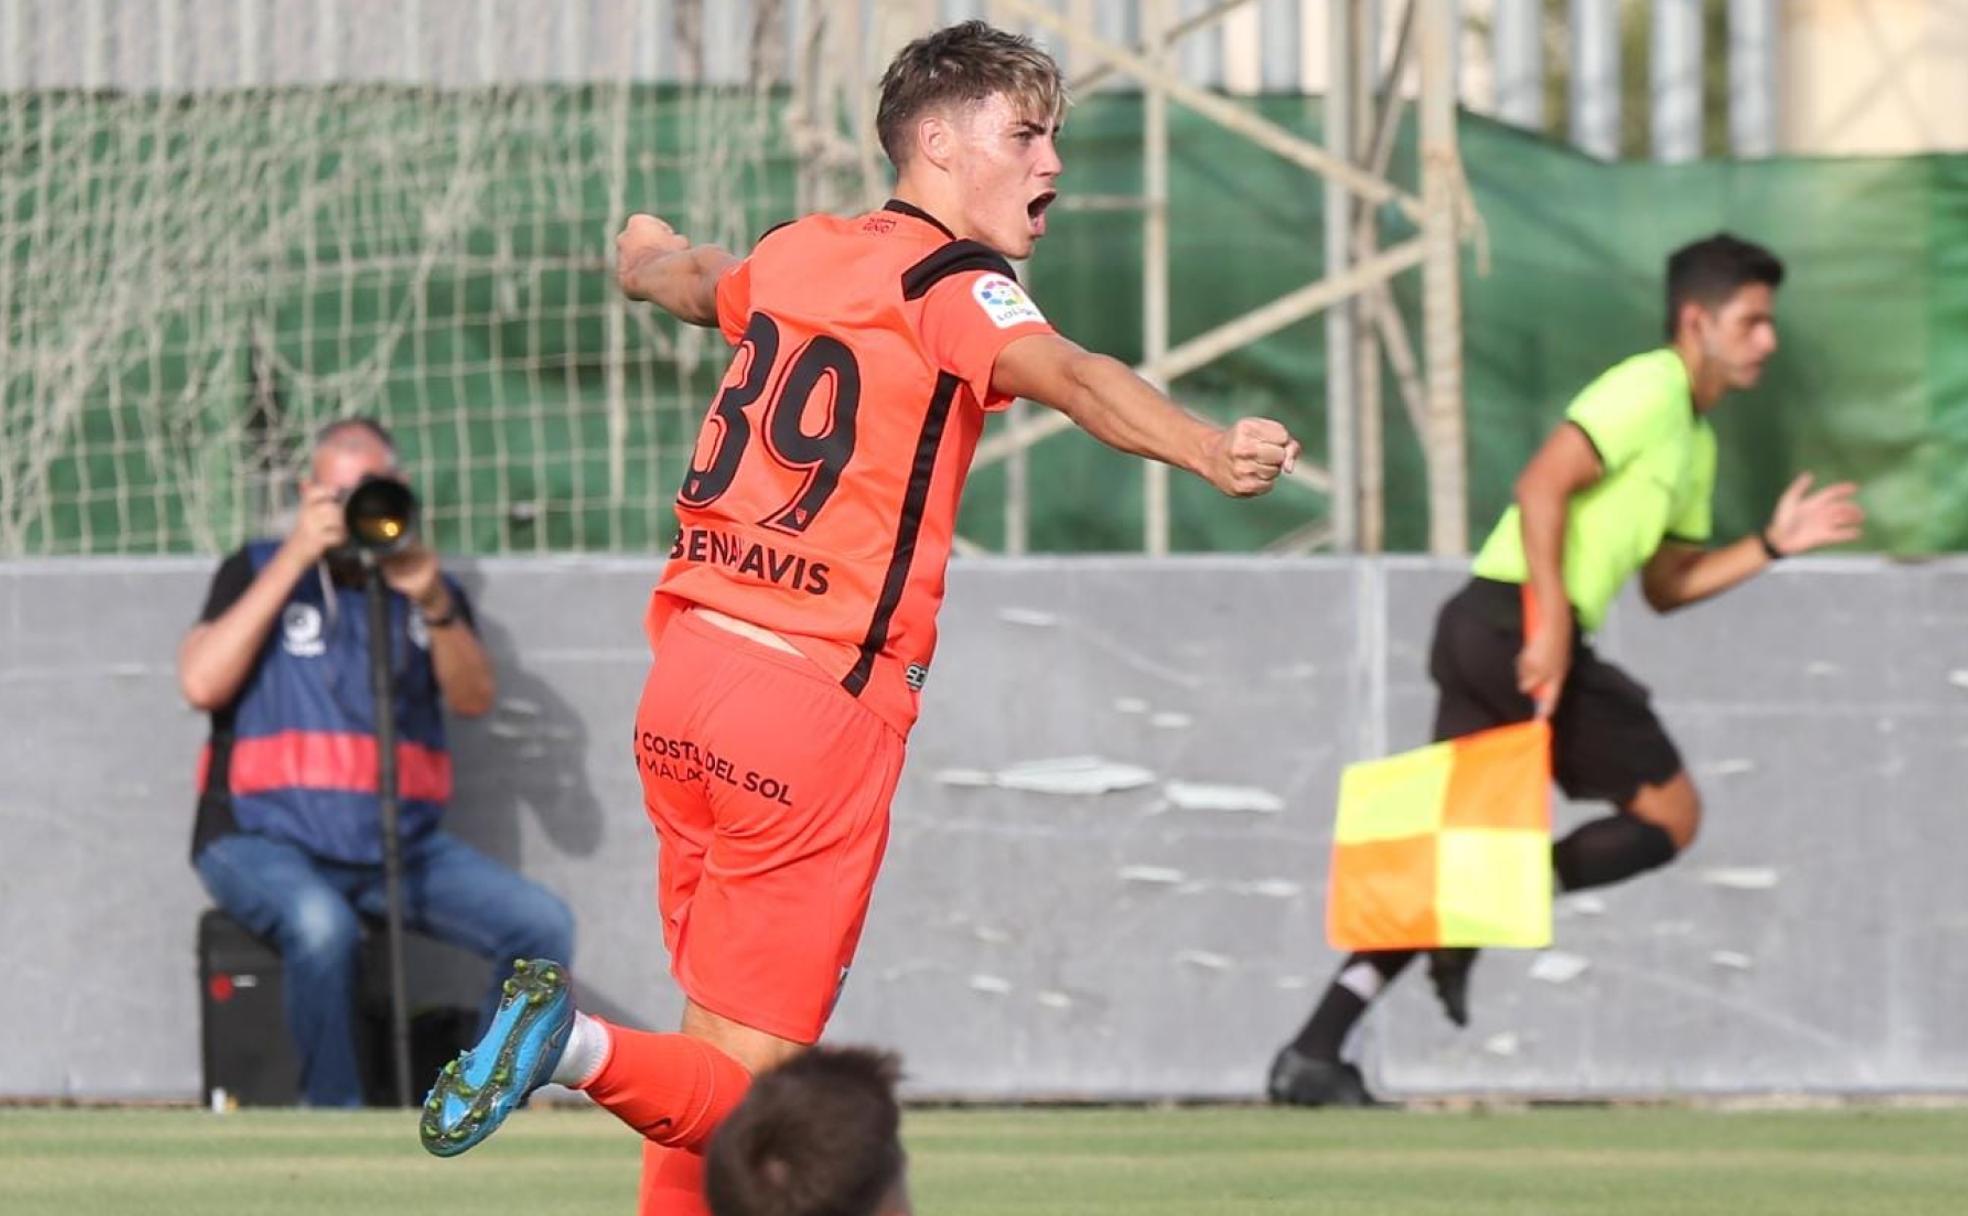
300 631
1004 301
420 635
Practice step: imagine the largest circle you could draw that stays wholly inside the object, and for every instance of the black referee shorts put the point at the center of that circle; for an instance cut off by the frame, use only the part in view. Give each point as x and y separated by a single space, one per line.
1606 741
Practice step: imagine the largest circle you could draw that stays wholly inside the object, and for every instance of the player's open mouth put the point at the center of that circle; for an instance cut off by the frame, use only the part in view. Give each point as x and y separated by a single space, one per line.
1036 209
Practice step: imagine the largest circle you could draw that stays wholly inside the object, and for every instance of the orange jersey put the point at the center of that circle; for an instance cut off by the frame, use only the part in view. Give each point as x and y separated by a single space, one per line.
822 495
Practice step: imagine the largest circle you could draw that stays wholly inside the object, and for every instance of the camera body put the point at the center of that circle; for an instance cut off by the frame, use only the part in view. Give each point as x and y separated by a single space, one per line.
381 514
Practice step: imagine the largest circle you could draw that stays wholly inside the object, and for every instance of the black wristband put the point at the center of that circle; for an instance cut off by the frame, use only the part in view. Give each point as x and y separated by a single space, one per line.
1769 550
450 616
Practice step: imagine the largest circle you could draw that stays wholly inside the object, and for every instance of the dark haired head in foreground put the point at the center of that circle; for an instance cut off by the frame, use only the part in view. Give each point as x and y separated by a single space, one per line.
816 1136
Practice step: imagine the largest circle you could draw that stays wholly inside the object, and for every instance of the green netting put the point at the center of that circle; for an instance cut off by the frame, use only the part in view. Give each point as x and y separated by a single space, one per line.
189 287
1872 381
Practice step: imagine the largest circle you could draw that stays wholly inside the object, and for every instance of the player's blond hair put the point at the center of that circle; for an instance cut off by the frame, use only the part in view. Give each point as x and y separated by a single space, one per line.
960 65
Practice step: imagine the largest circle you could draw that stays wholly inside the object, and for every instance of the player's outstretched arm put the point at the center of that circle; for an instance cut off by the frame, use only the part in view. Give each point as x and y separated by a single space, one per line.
656 263
1105 398
1804 520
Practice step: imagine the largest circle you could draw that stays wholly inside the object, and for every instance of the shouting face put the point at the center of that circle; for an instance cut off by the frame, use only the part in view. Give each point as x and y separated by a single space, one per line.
1003 162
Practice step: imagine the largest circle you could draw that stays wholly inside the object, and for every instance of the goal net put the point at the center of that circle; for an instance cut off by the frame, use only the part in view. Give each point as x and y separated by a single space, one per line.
226 223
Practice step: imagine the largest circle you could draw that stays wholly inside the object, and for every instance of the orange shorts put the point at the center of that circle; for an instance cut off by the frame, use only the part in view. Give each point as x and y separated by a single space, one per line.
769 787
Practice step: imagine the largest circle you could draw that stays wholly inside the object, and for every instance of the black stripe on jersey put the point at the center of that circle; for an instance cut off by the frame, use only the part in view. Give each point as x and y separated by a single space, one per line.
769 231
914 499
901 208
953 258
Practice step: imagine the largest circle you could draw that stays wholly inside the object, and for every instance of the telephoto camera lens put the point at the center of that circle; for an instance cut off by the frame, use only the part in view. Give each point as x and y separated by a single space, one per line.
381 514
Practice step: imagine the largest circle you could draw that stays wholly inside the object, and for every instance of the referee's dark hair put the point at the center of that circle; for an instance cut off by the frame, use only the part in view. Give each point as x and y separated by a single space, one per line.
817 1136
1711 270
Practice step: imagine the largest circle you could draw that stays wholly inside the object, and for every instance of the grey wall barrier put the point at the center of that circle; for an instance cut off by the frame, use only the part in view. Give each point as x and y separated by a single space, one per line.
1106 872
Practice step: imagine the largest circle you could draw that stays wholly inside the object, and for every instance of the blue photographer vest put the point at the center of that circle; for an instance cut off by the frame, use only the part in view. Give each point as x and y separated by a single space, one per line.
300 761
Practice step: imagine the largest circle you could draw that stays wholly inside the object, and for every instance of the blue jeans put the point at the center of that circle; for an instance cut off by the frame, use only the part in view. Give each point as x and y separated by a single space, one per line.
311 911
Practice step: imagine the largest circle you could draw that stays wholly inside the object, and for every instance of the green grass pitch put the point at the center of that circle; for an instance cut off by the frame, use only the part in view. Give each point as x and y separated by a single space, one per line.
1142 1162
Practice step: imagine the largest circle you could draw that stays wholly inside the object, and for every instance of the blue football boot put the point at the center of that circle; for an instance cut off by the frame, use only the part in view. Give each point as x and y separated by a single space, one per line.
476 1091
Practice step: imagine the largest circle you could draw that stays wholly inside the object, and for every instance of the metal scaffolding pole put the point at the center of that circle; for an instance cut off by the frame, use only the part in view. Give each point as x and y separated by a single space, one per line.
1676 61
1362 322
1155 259
1518 39
1595 100
1441 277
1342 348
1222 111
1752 77
1371 514
1018 486
1377 306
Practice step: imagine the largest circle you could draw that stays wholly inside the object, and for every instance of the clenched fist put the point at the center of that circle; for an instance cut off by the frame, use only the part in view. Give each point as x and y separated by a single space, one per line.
1246 459
642 240
414 573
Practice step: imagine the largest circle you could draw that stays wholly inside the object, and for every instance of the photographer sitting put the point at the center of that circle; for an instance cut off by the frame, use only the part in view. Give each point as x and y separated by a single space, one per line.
289 832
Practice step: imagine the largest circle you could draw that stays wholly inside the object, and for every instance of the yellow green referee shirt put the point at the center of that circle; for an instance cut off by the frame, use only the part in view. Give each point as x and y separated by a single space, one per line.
1658 460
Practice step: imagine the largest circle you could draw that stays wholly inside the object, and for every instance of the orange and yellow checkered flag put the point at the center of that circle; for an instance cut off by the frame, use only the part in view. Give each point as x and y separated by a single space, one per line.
1447 845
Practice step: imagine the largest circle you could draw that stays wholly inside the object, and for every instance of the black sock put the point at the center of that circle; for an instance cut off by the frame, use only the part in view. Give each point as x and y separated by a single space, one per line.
1325 1032
1610 850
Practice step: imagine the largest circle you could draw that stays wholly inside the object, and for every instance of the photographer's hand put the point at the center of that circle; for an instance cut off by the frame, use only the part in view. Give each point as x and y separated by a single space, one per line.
414 574
318 526
458 658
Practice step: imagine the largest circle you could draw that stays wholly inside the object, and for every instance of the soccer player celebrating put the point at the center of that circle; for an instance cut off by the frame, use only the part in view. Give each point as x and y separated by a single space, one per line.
794 625
1622 485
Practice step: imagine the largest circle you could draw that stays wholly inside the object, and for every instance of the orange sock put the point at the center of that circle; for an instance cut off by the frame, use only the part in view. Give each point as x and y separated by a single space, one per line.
671 1088
672 1182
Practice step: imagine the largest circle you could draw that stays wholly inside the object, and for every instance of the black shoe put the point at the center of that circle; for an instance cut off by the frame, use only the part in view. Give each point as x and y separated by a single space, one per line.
1449 971
1302 1080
